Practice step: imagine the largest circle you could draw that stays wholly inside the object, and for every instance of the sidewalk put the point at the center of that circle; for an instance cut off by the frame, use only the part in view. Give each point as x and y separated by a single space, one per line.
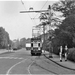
66 64
4 51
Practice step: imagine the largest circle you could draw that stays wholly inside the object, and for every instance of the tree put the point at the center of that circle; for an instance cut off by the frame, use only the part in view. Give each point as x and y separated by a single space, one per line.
23 42
68 26
67 7
4 38
50 19
66 31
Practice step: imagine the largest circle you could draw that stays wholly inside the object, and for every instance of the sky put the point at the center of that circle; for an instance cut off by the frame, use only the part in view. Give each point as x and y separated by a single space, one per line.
19 25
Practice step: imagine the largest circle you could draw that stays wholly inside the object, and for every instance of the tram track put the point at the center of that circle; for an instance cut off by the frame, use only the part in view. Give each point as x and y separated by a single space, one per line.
50 66
39 65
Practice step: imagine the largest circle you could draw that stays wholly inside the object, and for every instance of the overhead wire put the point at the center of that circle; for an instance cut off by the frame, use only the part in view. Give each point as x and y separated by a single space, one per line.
32 18
36 14
25 9
42 7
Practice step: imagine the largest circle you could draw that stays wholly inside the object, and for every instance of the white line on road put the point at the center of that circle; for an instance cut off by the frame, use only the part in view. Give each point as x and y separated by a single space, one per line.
10 58
20 58
14 66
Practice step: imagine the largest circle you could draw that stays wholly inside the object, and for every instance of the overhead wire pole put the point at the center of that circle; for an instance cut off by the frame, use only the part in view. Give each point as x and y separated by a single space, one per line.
49 19
44 37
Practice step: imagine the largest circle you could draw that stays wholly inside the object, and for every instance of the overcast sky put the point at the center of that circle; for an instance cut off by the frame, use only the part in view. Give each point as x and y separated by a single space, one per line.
19 25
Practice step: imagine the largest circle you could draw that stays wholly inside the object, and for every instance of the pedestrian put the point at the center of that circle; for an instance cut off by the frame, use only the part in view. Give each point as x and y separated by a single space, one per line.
66 52
60 53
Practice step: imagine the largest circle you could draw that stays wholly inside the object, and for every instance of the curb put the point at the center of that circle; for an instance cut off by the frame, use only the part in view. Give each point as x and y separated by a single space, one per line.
58 63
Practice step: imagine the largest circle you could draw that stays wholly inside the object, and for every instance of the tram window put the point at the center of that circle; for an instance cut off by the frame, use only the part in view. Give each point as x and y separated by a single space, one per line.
39 44
31 44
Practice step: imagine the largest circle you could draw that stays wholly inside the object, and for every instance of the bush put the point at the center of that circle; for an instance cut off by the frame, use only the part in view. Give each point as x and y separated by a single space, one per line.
71 54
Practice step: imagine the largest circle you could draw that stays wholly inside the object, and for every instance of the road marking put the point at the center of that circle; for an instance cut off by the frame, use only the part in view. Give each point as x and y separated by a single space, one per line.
20 58
14 66
16 58
29 68
10 58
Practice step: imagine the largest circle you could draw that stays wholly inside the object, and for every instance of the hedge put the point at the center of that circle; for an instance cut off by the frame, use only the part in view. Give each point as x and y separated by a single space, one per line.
71 54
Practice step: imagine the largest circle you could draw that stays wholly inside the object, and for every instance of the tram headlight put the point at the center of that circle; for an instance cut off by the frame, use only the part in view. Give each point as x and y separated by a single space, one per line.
38 48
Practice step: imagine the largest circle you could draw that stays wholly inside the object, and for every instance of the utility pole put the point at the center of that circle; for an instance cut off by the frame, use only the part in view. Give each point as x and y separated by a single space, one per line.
44 36
50 46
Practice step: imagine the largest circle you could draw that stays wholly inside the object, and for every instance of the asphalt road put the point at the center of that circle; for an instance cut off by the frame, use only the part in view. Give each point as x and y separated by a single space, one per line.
21 62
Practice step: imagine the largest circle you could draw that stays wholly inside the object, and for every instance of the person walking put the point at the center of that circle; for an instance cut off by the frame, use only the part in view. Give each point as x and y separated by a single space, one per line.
60 53
66 52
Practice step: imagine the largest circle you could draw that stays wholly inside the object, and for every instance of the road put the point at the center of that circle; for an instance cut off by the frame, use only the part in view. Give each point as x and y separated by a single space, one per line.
21 62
